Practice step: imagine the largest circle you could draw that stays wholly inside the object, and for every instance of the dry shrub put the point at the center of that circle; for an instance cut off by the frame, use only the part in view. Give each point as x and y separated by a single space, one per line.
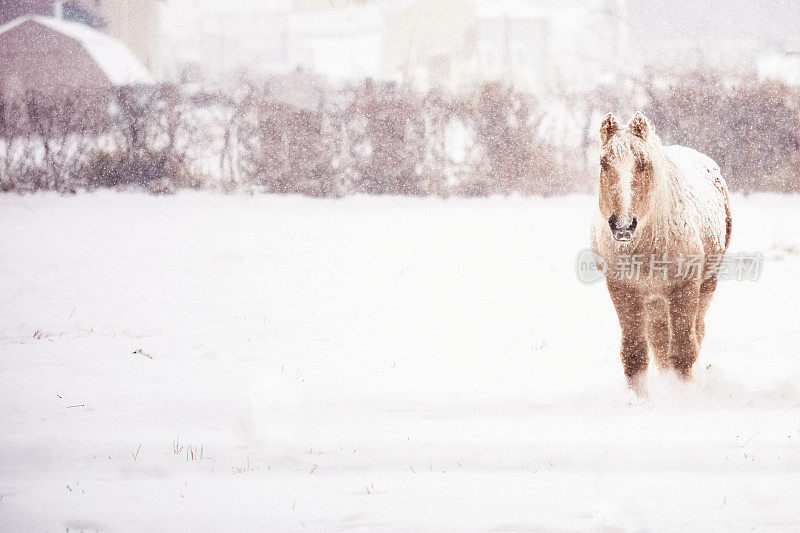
750 128
440 112
15 150
66 141
510 156
45 138
386 140
286 149
152 136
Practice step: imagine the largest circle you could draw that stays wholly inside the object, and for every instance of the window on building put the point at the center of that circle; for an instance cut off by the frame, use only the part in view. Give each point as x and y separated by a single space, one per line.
75 12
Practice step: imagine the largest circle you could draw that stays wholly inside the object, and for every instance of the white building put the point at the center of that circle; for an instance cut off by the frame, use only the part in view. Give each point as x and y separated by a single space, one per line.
339 43
274 37
541 45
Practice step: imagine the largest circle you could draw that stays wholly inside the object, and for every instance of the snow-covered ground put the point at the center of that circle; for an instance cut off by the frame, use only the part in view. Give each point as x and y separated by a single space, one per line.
374 363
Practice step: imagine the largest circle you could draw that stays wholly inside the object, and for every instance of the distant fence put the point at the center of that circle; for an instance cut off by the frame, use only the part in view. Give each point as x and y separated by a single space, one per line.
382 138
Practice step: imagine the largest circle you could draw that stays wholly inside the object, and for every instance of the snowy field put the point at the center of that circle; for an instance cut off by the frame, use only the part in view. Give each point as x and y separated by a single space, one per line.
204 362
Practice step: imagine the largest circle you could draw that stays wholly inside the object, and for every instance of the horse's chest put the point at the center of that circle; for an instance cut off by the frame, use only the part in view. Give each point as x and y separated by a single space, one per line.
654 269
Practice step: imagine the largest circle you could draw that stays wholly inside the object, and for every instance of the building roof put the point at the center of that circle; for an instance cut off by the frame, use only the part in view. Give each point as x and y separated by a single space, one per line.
115 60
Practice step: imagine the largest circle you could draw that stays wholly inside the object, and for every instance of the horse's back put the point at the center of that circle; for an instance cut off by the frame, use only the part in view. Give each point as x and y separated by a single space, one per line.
705 190
695 165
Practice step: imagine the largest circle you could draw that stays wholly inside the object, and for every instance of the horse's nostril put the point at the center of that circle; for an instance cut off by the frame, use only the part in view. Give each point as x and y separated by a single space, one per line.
624 224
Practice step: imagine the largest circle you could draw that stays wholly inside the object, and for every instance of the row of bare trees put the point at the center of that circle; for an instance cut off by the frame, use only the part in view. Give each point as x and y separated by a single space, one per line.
67 142
381 138
385 139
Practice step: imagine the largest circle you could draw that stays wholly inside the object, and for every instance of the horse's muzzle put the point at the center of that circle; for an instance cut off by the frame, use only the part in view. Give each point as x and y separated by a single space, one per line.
622 228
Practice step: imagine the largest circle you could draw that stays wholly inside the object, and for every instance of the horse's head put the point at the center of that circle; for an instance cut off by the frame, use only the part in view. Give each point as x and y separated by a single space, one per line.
626 174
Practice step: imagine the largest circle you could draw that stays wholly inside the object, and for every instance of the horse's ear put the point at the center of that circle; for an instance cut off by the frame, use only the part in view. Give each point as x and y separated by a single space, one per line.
608 128
640 126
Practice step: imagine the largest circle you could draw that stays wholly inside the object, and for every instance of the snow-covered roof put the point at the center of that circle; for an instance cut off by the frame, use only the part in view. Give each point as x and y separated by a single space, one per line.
119 65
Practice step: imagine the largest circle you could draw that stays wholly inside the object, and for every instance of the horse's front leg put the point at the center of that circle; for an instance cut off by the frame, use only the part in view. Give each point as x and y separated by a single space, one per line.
629 303
684 301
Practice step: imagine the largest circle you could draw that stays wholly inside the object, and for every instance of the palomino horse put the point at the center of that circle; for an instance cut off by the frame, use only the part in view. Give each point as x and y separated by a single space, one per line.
662 226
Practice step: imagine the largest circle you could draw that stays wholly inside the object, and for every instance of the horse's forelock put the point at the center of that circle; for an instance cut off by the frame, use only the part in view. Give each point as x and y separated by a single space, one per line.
625 145
631 165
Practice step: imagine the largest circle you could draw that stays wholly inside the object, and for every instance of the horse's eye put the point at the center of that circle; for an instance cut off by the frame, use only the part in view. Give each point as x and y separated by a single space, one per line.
604 163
